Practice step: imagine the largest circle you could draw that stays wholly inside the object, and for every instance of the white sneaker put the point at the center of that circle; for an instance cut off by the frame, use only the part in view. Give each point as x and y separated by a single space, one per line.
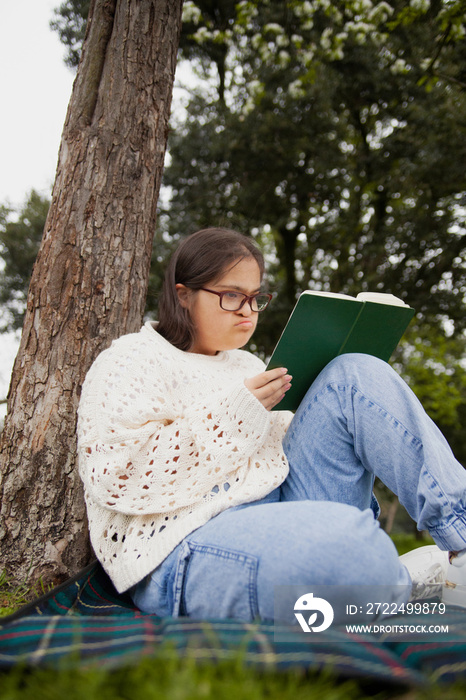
427 567
454 590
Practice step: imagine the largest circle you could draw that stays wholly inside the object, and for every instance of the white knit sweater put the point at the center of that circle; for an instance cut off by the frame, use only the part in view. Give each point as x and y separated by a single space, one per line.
166 440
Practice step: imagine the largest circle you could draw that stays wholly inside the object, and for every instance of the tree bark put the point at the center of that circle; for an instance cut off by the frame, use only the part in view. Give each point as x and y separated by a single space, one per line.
90 278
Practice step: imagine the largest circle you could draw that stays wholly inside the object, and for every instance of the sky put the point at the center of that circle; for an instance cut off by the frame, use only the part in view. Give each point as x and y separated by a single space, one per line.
35 88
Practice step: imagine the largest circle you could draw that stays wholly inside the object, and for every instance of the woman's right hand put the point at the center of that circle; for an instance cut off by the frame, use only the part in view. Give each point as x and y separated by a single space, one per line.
269 387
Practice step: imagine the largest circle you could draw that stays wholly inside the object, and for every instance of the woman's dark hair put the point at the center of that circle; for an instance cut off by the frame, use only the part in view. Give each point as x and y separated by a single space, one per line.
201 259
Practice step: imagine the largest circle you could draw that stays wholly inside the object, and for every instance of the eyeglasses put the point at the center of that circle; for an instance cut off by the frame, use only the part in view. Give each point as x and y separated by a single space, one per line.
234 301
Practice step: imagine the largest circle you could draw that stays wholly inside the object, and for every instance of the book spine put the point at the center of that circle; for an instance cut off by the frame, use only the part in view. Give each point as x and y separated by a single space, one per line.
356 320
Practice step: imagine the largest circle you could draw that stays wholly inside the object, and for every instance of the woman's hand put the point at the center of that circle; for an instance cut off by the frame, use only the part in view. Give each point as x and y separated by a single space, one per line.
270 386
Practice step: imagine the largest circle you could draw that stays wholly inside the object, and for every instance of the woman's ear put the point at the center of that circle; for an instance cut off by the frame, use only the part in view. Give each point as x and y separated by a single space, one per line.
184 295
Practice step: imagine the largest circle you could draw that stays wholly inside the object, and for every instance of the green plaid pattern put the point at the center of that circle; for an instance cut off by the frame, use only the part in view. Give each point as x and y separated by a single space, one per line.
85 622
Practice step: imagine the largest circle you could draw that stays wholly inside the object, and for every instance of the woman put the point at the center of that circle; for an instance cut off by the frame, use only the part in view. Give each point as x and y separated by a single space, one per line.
202 502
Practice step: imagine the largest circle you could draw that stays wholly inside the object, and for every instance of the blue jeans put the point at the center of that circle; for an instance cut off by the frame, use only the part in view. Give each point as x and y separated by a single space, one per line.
358 420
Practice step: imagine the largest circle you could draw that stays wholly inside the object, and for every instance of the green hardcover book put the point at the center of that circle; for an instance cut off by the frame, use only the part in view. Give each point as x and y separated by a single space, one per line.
323 325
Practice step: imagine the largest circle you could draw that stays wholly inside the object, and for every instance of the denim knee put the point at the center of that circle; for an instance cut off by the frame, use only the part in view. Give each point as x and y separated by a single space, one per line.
361 539
356 365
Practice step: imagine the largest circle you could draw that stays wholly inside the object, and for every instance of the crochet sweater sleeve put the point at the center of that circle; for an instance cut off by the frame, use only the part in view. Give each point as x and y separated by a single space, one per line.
155 436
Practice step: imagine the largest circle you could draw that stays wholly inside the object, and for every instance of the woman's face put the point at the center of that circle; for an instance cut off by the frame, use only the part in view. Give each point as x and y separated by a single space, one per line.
216 329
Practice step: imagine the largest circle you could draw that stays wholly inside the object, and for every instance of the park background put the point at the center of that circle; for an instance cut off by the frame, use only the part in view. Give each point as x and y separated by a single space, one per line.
331 131
334 134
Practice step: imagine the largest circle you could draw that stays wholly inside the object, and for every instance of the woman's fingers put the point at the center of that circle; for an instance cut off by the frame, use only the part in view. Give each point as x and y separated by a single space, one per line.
270 386
272 399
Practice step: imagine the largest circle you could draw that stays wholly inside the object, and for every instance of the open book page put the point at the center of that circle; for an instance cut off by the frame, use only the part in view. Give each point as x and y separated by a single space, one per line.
376 297
331 295
381 298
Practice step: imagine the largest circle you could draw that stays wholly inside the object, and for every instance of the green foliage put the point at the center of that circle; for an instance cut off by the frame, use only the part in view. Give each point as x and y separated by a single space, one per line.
312 31
355 170
338 133
20 238
70 24
433 365
316 31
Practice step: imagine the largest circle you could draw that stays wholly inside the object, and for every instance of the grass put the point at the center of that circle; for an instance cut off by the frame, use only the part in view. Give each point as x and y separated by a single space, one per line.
404 543
174 678
13 596
185 679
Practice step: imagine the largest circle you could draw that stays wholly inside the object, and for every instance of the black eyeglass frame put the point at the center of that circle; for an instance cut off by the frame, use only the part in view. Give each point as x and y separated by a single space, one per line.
245 300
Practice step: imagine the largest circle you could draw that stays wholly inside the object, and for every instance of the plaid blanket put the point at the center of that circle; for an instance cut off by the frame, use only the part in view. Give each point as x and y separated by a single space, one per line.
85 622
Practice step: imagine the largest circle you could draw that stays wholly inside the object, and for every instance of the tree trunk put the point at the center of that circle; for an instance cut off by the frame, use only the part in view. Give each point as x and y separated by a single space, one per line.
391 515
286 242
90 278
